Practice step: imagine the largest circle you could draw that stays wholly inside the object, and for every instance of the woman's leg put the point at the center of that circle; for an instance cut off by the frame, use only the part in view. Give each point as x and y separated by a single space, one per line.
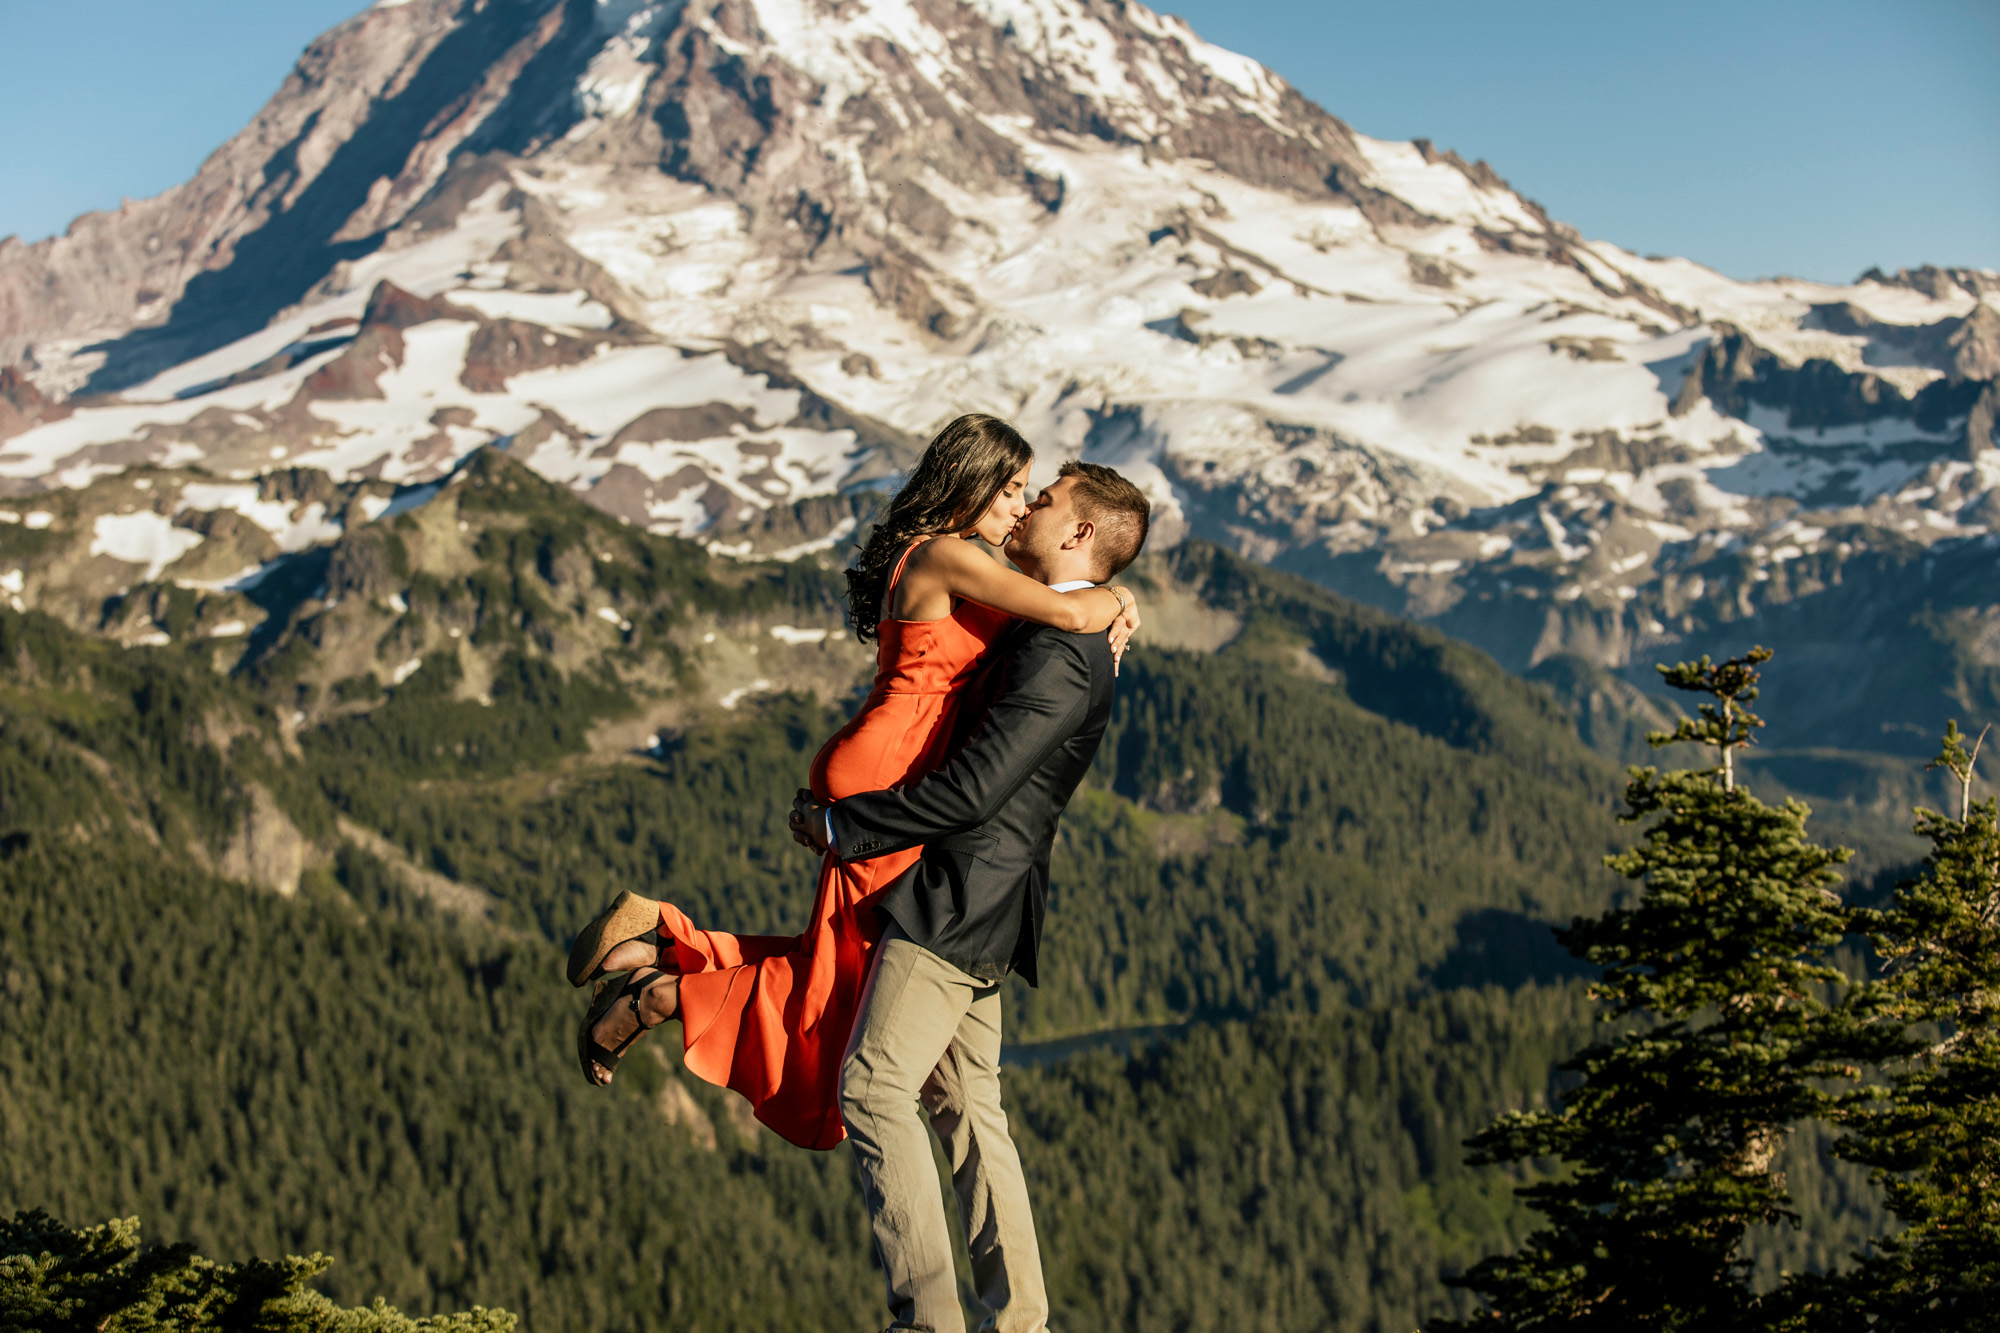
626 1023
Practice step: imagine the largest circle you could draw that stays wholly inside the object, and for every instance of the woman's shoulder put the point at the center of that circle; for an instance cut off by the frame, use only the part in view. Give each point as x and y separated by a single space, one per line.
936 546
939 553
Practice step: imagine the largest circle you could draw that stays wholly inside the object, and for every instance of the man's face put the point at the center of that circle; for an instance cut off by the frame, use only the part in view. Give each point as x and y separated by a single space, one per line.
1049 522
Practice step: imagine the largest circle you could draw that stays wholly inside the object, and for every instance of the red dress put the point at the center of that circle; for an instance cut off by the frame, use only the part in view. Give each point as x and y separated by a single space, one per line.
770 1015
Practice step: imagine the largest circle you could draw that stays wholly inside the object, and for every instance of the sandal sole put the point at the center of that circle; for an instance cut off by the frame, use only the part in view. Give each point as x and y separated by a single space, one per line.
628 915
602 997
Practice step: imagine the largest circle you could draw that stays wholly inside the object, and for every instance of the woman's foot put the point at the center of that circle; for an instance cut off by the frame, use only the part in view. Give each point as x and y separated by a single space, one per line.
647 999
632 955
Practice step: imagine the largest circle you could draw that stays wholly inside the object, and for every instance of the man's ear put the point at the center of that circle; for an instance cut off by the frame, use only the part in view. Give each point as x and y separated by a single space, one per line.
1079 535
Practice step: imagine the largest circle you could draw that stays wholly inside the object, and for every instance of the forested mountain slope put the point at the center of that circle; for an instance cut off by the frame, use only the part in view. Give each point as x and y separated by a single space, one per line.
280 943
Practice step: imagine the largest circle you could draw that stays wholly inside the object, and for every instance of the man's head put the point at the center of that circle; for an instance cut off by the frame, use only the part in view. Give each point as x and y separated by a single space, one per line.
1087 524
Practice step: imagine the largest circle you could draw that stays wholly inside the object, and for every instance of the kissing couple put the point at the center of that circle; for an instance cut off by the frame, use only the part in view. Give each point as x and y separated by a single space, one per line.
934 810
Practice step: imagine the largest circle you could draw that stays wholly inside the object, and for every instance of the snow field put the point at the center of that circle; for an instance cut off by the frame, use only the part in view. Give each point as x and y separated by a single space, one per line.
142 538
1370 373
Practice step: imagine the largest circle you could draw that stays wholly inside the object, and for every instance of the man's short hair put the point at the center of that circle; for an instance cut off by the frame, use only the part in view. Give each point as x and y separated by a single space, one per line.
1116 508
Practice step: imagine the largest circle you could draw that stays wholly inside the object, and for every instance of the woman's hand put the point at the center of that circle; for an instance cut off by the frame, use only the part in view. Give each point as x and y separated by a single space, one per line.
1125 626
808 821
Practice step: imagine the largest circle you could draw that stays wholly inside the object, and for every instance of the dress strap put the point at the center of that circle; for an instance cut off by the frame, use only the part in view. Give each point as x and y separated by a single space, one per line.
896 575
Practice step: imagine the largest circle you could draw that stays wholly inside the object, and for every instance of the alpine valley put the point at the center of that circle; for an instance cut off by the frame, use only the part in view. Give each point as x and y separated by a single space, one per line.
427 520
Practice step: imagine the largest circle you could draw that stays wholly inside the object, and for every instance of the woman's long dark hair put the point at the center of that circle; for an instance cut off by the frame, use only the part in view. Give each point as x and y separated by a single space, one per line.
966 465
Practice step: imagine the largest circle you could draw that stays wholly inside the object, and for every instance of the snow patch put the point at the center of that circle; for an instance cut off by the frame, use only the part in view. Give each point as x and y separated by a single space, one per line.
615 79
294 530
840 532
142 538
573 312
620 384
1441 189
242 580
410 497
742 692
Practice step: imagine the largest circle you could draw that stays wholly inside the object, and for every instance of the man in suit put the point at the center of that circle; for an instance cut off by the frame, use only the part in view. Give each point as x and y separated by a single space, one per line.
927 1042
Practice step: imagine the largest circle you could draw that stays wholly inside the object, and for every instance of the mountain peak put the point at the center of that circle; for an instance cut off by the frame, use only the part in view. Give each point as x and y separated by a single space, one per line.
721 265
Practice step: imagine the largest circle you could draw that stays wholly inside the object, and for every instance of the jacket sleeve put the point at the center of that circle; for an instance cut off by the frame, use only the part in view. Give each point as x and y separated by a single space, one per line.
1046 689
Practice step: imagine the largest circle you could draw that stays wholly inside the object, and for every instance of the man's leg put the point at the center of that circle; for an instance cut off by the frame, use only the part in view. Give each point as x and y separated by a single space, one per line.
963 1096
909 1014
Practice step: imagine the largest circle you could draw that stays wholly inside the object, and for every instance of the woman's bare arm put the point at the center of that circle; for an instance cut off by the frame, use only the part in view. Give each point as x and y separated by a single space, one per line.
946 568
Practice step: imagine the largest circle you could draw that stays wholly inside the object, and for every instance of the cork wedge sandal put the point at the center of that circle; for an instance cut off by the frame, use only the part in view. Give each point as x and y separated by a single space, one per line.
629 917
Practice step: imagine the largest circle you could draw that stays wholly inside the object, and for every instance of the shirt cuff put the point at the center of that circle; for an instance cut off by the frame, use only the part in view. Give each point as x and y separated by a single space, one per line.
827 815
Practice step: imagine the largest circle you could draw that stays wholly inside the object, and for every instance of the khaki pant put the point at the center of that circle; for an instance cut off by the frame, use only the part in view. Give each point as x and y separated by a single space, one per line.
927 1044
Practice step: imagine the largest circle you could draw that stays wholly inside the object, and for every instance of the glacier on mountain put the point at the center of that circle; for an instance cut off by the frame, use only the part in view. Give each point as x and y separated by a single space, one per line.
722 265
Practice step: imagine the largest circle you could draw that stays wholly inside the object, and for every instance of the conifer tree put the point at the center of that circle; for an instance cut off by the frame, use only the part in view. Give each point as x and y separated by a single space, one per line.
1934 1138
1716 980
56 1279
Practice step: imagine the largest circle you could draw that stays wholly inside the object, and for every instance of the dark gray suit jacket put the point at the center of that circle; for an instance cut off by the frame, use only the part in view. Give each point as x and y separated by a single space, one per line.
987 819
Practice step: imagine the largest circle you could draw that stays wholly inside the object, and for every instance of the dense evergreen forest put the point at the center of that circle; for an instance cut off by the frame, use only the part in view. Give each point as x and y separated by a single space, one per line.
1321 861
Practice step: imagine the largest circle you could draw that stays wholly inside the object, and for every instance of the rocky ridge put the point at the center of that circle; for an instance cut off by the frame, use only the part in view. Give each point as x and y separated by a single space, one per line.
721 265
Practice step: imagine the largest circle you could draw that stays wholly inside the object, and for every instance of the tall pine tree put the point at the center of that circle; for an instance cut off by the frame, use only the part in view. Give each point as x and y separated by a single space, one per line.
1716 980
1934 1138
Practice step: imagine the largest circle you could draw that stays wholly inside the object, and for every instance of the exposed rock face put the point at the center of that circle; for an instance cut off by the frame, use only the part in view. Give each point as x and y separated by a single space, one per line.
1982 432
22 405
353 113
268 849
504 348
1975 344
682 423
449 895
357 371
1735 373
1938 283
390 307
769 133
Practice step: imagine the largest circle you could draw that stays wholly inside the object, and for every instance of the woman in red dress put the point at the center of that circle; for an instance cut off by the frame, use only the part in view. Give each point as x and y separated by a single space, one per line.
770 1015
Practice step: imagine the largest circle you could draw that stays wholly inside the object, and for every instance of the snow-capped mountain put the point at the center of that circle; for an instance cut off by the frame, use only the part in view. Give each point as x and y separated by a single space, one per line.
719 264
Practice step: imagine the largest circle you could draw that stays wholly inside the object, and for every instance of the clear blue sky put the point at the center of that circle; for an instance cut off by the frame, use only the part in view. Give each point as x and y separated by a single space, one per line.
1758 136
